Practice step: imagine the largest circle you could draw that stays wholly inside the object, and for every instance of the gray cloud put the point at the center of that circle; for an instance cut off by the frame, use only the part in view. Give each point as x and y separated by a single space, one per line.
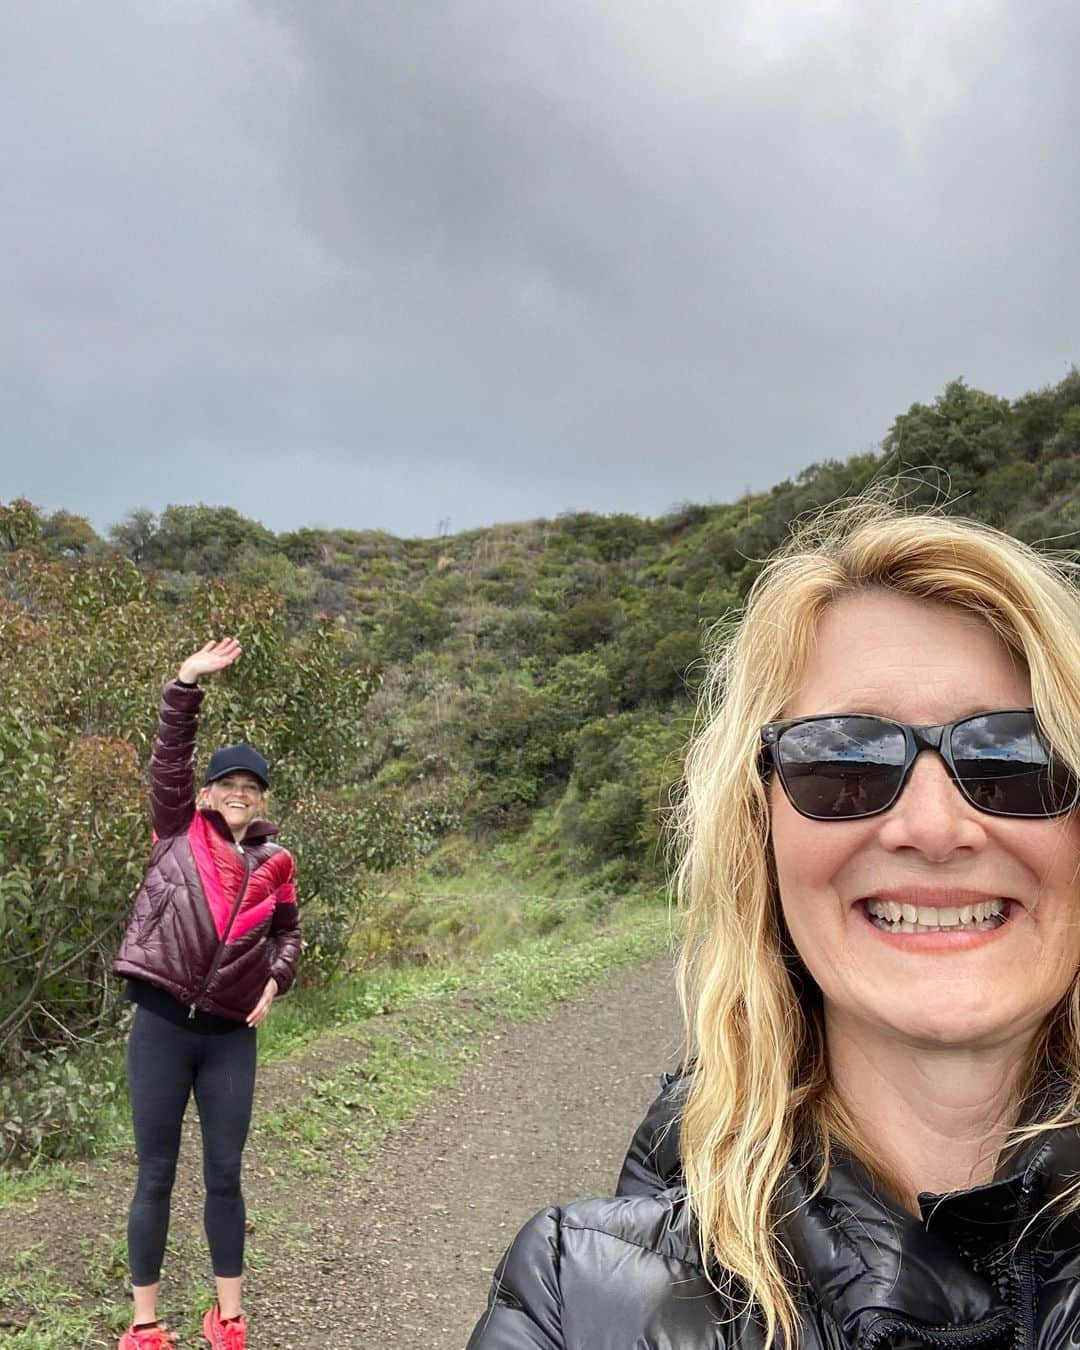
374 265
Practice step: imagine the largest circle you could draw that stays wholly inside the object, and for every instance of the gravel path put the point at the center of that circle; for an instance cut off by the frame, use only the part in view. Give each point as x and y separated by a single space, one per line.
403 1257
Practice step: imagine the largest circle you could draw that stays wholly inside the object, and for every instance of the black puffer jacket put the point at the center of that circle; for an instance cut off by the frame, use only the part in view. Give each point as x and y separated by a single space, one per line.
982 1268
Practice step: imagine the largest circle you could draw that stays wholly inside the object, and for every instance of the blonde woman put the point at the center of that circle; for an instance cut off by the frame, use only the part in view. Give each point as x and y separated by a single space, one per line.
214 937
876 1144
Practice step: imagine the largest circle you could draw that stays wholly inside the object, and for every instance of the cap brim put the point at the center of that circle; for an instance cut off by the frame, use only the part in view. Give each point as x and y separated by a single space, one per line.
235 768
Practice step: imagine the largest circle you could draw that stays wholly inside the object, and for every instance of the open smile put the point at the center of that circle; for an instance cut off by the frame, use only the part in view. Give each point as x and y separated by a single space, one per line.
959 920
893 917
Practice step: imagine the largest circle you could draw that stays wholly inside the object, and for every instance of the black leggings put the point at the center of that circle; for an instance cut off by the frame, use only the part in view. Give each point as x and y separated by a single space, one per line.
164 1063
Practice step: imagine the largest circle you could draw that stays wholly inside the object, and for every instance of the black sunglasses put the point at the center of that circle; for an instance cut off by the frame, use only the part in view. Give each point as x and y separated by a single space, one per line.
849 765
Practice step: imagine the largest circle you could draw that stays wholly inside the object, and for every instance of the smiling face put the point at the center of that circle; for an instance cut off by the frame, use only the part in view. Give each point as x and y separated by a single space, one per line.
916 662
239 797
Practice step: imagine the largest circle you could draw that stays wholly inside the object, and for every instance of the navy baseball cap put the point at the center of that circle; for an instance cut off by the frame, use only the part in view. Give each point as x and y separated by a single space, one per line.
236 758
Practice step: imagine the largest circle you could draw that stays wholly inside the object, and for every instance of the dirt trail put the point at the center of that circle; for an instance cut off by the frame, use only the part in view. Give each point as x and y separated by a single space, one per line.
399 1251
544 1117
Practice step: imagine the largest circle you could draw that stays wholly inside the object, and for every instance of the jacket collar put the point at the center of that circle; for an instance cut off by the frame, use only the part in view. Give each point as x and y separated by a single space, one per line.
258 832
871 1264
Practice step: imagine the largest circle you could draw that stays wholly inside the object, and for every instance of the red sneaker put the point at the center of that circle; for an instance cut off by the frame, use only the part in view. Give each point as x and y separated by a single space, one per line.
149 1338
230 1335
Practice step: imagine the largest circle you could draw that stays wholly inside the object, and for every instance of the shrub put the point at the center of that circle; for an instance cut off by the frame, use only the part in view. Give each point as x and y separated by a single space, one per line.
673 666
49 1107
340 841
1005 491
610 820
407 625
590 621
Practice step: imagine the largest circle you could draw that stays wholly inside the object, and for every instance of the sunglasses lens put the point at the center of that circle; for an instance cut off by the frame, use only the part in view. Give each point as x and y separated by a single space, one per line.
1004 766
837 768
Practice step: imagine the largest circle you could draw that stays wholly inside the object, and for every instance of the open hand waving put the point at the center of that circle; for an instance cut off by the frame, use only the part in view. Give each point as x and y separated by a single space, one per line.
215 655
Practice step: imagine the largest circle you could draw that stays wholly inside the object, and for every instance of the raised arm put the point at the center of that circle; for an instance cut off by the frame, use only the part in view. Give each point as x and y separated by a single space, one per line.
172 763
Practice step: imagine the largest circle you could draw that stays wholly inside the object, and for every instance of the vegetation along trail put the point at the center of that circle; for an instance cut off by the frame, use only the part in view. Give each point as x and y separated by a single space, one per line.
379 1237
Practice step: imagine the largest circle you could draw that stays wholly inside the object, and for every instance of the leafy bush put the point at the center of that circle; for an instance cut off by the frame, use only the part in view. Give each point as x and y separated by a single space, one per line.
204 538
49 1107
430 819
610 821
580 688
624 772
340 843
587 623
1005 491
407 626
1065 440
952 433
673 665
1062 475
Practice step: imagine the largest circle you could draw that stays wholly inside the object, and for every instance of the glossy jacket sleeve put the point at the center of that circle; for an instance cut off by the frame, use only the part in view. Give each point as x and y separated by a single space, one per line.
524 1309
652 1161
172 762
285 933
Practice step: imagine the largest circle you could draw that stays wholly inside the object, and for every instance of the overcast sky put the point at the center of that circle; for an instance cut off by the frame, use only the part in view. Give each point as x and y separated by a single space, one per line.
379 265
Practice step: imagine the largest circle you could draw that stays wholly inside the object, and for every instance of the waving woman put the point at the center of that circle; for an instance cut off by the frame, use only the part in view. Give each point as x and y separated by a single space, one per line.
214 937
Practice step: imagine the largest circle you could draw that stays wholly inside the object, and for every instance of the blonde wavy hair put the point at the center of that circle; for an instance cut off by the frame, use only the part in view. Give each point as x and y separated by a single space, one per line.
759 1086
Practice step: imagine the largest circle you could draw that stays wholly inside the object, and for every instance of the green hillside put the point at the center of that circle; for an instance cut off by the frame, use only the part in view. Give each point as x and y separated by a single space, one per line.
552 661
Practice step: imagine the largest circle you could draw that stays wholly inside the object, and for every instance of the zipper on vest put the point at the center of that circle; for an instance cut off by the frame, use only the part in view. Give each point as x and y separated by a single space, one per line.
224 938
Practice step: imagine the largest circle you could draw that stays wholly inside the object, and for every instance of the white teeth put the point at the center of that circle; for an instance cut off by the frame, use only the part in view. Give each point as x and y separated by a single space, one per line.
906 918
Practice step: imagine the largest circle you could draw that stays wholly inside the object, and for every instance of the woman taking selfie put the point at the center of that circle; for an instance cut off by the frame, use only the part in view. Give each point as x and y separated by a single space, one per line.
214 937
876 1142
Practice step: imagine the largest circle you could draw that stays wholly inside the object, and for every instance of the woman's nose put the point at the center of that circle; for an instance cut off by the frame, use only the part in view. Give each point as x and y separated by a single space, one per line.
931 815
